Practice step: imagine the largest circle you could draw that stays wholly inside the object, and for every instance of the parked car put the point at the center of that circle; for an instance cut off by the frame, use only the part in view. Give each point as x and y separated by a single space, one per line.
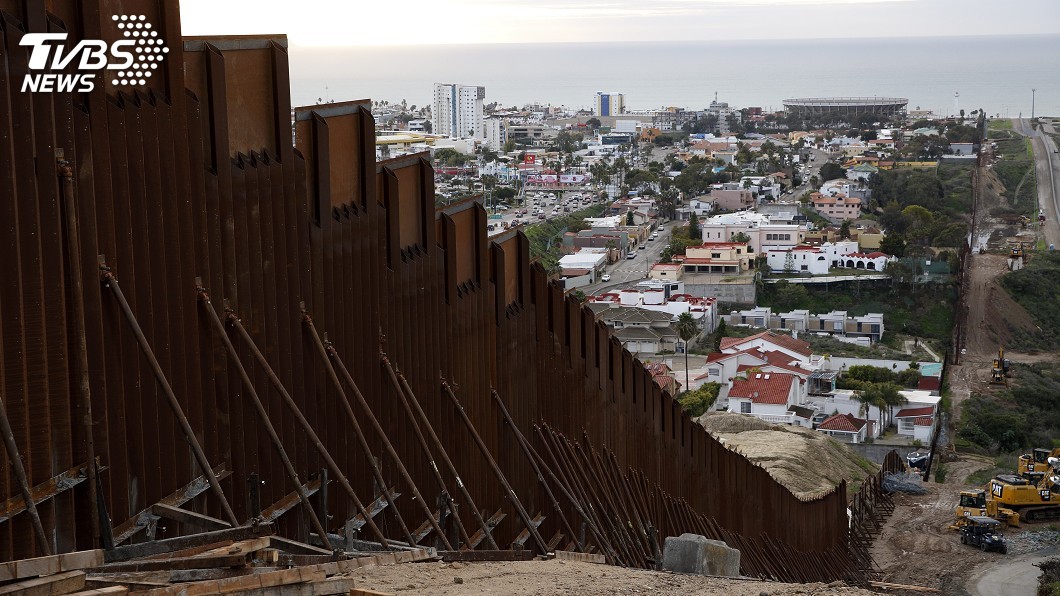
632 254
605 277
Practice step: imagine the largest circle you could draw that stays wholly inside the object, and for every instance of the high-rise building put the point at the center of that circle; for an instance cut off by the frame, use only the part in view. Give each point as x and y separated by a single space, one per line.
458 110
609 104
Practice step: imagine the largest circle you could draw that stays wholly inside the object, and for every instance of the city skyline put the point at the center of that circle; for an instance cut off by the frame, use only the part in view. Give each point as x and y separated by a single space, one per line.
426 22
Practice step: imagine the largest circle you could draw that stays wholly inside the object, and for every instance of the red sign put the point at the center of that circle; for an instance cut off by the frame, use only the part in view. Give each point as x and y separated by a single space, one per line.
529 158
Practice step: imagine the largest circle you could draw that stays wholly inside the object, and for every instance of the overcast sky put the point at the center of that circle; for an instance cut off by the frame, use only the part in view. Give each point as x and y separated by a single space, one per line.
414 22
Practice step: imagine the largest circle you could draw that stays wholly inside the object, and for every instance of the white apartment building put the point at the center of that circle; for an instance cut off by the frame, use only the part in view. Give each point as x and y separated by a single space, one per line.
496 131
458 110
762 235
609 104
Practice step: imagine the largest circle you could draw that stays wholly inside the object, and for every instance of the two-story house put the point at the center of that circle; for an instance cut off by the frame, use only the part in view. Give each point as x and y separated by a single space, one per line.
717 257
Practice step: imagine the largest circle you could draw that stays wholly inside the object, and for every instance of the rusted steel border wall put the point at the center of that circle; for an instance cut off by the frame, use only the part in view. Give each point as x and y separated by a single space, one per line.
196 176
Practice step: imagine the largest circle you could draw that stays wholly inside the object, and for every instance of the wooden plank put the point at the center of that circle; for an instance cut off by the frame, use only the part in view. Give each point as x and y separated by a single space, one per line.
367 592
376 560
565 555
133 551
904 587
201 575
296 548
426 527
196 520
330 586
486 555
50 565
190 552
46 490
274 511
51 585
241 559
494 521
241 547
240 584
378 505
522 537
147 580
182 495
102 591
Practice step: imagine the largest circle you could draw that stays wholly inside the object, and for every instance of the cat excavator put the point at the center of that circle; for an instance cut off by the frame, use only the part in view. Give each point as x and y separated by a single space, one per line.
1000 370
1035 463
1034 500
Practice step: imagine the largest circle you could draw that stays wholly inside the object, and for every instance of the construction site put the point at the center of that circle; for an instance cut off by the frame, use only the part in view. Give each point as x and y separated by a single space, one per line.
238 354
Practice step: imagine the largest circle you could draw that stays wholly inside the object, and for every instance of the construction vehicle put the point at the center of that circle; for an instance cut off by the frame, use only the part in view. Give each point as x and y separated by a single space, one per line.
974 503
1000 369
1034 501
1036 462
1017 251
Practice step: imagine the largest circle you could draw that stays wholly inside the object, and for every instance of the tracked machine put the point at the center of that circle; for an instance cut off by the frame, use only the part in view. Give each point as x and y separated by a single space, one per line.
1034 501
1000 371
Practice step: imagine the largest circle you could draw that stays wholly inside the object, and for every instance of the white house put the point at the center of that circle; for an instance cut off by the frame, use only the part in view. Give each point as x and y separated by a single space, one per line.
916 423
807 260
873 261
767 341
765 395
762 235
844 428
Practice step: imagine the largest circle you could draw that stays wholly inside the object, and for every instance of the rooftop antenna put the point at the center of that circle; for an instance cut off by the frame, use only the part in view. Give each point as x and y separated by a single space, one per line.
956 103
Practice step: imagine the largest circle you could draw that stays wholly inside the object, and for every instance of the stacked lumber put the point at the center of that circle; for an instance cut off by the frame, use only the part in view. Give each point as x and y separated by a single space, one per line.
230 561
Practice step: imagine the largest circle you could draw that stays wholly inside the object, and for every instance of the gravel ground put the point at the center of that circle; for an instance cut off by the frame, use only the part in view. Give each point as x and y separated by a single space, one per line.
550 577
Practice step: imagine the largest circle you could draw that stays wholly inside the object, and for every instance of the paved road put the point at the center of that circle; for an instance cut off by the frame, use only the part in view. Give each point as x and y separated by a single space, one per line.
627 272
1011 576
1047 164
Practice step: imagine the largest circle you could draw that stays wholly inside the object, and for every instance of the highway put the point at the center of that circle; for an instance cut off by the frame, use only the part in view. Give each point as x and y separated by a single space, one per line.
1047 164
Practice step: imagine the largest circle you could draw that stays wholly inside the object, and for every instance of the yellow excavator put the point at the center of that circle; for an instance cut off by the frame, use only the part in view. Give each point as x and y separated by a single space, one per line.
1036 462
1000 369
1034 501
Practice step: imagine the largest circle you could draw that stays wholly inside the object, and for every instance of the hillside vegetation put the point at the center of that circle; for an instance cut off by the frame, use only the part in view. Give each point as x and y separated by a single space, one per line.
1036 288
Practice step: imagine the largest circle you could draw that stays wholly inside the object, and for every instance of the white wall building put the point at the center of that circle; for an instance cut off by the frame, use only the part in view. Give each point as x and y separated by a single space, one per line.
762 234
457 110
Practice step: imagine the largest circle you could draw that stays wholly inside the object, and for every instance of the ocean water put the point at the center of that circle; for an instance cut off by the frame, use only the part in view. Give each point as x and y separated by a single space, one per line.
994 73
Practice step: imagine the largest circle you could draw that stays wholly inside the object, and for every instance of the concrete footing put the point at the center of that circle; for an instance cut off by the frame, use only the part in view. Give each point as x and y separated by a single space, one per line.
692 553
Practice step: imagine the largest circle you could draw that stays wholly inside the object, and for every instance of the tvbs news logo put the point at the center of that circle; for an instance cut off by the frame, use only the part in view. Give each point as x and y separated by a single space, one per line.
128 62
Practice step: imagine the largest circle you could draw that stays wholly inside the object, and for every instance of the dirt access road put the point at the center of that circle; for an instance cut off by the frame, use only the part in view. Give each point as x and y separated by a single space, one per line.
917 546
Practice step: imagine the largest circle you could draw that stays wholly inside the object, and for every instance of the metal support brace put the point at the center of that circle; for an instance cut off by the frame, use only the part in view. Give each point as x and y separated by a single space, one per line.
20 473
263 415
111 282
310 432
377 474
519 509
387 445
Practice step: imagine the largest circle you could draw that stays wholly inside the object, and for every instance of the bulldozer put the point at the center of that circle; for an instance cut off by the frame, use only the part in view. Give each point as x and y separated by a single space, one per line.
1036 462
973 503
1033 501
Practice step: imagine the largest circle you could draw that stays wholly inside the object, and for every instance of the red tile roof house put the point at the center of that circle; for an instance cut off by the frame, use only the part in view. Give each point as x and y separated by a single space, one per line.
765 395
916 422
768 341
844 428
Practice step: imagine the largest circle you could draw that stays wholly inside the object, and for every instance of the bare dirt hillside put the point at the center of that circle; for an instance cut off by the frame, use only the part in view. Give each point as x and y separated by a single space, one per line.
808 463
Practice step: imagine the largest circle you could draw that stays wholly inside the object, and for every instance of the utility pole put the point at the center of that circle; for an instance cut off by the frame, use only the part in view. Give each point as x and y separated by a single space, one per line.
1033 91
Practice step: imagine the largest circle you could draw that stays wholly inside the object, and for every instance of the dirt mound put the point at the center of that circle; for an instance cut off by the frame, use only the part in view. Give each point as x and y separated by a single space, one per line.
810 464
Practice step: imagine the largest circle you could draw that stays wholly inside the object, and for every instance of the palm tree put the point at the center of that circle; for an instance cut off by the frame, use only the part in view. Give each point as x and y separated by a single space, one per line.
687 328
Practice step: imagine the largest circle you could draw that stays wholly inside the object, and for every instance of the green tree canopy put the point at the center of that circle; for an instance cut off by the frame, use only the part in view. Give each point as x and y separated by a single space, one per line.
696 403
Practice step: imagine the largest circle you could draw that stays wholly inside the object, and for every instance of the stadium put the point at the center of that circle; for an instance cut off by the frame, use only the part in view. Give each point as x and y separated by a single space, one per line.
846 106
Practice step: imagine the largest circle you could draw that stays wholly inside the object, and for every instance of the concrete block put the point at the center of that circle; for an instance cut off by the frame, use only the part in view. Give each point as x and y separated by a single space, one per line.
692 553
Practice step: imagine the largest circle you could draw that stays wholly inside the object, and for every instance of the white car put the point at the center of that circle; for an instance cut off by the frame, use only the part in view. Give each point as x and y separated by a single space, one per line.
605 277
